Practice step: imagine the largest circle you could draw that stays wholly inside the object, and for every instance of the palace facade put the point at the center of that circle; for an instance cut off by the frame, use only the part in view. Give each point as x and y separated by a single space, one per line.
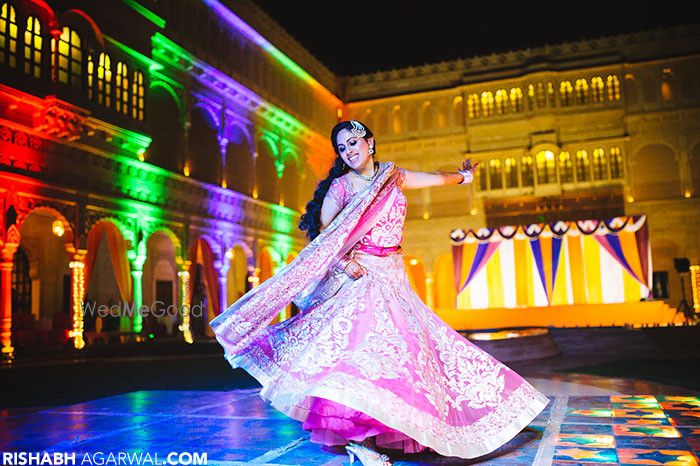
160 153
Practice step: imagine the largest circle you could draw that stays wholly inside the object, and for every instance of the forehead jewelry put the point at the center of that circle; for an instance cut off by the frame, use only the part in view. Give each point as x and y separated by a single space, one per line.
357 129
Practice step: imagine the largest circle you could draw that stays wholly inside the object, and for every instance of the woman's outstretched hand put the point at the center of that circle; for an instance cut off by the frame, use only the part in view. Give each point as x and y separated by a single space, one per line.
354 270
467 171
467 165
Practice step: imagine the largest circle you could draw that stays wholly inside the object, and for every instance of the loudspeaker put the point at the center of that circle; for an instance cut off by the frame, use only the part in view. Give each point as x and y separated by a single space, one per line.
682 264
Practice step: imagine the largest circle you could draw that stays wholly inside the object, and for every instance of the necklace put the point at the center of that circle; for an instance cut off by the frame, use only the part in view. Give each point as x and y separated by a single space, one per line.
365 177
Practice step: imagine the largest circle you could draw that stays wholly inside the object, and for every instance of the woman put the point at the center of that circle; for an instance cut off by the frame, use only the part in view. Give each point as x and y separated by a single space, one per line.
366 361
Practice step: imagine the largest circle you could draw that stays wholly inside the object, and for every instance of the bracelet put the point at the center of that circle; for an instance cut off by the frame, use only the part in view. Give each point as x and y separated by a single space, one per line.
467 175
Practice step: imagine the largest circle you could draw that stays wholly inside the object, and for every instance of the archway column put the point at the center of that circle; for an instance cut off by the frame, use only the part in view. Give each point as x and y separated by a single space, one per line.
137 290
77 296
183 276
6 266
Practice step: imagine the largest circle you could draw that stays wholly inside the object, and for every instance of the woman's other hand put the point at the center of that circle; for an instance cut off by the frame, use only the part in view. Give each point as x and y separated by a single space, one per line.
354 270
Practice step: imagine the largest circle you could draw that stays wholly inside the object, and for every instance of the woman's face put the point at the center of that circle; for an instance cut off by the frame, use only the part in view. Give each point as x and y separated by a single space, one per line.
354 150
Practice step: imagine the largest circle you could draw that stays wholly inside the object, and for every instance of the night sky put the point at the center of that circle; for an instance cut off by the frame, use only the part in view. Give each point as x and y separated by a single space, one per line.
355 37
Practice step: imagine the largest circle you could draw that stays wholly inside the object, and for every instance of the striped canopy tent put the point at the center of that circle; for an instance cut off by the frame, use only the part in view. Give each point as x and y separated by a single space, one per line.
574 262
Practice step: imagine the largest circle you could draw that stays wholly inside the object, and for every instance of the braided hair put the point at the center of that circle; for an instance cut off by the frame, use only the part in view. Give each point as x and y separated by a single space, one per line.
311 220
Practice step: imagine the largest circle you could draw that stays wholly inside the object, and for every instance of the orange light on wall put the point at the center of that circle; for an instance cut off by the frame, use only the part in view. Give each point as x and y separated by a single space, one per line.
77 268
57 228
184 327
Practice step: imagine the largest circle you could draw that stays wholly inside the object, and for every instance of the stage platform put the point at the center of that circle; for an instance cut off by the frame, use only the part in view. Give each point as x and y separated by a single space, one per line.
583 424
638 314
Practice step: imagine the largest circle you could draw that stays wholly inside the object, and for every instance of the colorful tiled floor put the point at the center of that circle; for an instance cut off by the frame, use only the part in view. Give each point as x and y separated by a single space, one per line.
239 428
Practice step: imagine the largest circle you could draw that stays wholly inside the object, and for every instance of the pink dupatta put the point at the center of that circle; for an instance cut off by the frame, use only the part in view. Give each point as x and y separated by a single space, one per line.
237 326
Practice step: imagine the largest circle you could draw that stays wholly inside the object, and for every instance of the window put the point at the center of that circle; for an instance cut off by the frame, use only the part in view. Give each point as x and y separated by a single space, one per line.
597 90
121 97
546 167
566 93
600 164
527 174
104 80
457 110
473 106
516 100
550 94
495 179
542 96
501 102
566 168
90 78
582 166
613 85
667 87
511 171
481 179
8 35
487 103
32 47
70 58
615 163
531 96
137 96
396 120
581 92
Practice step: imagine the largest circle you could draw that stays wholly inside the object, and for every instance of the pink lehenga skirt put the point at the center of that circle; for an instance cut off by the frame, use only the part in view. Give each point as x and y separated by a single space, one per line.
374 361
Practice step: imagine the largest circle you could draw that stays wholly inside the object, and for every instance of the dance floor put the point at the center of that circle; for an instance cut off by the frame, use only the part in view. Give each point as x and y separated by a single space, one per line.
239 428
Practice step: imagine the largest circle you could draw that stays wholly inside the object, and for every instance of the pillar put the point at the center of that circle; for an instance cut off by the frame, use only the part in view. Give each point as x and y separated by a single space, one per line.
137 291
77 296
6 266
183 276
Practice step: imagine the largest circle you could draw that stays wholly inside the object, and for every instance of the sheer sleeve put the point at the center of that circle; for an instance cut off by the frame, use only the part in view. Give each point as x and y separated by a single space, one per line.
401 178
337 192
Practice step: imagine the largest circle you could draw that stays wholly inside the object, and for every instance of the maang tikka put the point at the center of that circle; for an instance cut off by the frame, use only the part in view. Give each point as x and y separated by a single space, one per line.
357 129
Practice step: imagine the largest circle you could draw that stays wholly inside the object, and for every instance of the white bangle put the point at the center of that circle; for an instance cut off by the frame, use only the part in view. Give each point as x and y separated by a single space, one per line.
468 176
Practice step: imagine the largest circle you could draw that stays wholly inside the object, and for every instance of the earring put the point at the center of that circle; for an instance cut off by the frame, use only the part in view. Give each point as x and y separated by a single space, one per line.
371 150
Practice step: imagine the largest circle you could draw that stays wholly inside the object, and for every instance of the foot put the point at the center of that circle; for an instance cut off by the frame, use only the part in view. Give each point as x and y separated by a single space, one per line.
368 456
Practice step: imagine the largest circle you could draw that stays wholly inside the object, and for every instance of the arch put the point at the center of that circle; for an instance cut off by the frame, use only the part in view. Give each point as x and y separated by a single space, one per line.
83 22
33 45
165 121
240 165
47 257
173 93
655 173
71 58
67 226
212 119
290 183
204 256
266 173
164 230
160 284
108 279
10 36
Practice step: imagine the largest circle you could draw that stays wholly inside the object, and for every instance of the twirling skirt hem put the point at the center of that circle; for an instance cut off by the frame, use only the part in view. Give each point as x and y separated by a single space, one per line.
300 413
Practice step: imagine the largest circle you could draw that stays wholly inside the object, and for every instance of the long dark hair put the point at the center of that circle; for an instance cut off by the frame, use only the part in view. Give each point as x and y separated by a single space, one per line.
311 220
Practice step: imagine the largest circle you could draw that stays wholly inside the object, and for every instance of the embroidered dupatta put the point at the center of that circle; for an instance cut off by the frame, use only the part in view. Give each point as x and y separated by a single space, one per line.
237 326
